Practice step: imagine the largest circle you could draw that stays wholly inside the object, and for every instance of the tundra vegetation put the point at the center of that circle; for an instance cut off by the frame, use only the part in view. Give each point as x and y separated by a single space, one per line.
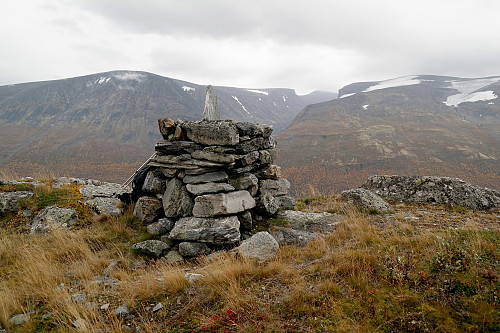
421 268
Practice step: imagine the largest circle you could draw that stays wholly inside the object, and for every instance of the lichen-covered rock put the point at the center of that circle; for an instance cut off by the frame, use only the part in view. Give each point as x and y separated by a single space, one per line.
193 249
289 236
261 247
285 202
225 230
147 209
365 200
269 172
246 181
105 206
53 218
176 201
151 247
310 222
267 205
217 176
252 130
9 200
206 188
216 132
213 156
210 205
167 127
173 257
429 189
154 182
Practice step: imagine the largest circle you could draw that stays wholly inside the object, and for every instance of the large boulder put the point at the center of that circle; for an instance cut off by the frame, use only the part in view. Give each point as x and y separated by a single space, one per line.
289 236
9 200
365 200
261 247
154 182
148 209
176 201
225 230
53 218
104 190
209 205
429 189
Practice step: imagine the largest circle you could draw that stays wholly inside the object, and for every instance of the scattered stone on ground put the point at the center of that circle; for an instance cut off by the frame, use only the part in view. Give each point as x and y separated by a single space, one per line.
365 200
53 218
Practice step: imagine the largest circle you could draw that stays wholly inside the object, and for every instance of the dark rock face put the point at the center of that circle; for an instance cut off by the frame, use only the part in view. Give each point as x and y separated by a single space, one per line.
439 190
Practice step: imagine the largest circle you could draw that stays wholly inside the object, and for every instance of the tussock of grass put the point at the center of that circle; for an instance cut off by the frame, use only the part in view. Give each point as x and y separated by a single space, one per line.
361 278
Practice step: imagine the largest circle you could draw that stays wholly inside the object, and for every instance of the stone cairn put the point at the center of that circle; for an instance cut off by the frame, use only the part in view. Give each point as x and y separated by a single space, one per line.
209 184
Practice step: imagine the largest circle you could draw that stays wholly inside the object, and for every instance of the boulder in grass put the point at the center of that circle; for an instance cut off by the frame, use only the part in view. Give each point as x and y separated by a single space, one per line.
148 209
261 247
220 231
365 200
154 248
53 218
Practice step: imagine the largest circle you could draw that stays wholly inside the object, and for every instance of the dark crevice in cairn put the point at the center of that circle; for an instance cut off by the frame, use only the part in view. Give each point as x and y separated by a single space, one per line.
209 185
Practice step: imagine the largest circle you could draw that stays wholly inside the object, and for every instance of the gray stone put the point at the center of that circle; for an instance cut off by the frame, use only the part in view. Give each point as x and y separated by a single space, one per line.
266 205
213 157
261 247
147 209
192 278
199 189
252 130
218 176
246 181
169 173
255 144
176 147
268 156
166 223
79 298
154 182
9 200
246 169
209 205
151 247
172 257
216 132
19 319
158 307
310 222
199 171
122 311
211 110
285 202
182 162
176 201
225 230
428 189
167 240
275 187
289 236
80 324
193 249
53 218
179 134
245 219
105 206
248 159
104 190
365 200
167 127
156 229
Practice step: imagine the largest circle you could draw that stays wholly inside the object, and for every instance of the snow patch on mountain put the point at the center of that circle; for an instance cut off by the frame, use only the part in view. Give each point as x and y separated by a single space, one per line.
258 91
365 107
100 80
237 100
398 82
468 91
186 88
347 95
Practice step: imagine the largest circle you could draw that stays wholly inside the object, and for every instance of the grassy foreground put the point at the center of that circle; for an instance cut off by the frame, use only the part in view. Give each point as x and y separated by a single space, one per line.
366 277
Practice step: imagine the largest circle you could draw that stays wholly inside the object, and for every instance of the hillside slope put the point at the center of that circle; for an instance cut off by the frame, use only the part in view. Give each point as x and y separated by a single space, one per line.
413 125
111 118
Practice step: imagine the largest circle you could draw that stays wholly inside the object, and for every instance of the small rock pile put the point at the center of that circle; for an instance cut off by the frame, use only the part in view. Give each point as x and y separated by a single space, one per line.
207 186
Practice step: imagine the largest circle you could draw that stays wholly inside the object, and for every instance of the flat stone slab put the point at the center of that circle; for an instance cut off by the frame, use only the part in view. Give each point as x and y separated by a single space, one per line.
206 188
225 230
209 205
310 222
218 176
274 187
214 132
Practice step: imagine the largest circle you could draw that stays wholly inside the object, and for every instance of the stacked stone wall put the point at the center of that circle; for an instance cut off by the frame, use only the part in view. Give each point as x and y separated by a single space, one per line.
209 184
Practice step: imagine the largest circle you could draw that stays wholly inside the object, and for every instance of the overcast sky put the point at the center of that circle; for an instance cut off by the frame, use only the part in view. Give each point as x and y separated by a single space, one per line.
306 45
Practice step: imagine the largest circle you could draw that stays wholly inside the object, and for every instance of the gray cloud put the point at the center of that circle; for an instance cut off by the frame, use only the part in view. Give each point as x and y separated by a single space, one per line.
307 45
